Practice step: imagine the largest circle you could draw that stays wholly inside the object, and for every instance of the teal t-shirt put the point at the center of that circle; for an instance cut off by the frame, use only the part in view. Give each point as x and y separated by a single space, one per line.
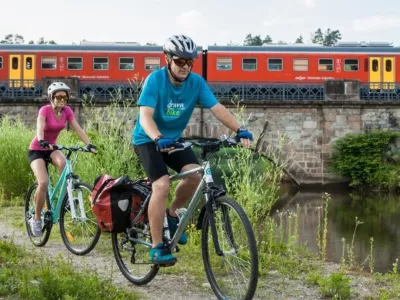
173 106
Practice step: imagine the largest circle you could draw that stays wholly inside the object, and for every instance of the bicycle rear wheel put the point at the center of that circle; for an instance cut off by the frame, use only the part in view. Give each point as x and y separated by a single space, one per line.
79 235
133 258
45 216
233 275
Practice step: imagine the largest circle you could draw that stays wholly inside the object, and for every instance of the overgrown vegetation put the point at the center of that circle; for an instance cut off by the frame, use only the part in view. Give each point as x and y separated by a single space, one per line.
45 279
368 159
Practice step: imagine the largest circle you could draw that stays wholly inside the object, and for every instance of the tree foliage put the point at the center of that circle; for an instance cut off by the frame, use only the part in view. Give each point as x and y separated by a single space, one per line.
19 39
299 40
13 39
256 40
327 38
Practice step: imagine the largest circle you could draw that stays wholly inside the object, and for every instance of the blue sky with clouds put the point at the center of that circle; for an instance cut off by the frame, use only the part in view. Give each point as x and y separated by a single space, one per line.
206 21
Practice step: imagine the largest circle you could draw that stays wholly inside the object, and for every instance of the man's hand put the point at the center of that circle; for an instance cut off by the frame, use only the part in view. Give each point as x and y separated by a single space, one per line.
164 144
245 137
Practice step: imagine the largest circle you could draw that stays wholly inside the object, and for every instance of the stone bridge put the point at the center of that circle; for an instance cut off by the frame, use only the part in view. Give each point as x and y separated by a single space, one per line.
310 128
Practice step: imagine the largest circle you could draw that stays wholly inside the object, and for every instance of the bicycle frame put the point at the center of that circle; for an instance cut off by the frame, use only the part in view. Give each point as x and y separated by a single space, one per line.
64 185
207 178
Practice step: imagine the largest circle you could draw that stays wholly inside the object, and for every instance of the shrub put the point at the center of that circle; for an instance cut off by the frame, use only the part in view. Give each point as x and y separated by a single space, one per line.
360 157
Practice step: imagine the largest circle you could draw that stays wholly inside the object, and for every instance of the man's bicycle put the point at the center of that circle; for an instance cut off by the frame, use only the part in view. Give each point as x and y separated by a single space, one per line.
69 204
228 244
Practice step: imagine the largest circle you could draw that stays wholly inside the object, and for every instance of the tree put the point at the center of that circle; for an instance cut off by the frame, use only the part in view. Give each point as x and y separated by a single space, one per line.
42 41
299 40
13 39
328 38
256 40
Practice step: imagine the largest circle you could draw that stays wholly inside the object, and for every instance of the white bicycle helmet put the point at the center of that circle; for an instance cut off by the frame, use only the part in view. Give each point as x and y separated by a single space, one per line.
181 46
55 87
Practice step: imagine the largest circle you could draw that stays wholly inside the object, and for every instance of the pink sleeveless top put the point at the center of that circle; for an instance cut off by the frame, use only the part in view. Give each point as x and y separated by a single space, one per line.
52 127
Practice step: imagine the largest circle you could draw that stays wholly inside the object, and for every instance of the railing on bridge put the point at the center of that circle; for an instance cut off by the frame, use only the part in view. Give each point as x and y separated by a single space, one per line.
105 91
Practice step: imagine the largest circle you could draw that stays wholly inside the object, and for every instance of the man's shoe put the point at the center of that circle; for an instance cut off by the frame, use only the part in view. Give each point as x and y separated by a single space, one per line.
173 225
161 255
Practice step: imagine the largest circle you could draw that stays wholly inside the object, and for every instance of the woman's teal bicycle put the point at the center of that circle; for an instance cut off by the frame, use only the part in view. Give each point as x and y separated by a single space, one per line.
69 204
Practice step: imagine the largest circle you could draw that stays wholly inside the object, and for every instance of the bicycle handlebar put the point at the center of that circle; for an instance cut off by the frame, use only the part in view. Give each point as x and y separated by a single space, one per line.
208 146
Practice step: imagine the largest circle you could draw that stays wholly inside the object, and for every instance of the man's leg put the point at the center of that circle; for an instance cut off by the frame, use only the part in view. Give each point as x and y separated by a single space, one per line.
157 207
185 189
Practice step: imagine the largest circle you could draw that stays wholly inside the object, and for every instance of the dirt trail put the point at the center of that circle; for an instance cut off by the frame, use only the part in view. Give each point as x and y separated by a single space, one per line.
165 286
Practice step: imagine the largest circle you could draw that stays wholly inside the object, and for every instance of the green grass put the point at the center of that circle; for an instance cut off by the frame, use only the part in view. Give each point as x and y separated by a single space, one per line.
32 276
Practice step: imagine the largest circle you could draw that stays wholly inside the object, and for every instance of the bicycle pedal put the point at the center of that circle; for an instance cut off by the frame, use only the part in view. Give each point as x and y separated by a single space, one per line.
177 249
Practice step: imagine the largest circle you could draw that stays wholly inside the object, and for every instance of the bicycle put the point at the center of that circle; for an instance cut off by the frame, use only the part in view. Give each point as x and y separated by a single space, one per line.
228 242
65 204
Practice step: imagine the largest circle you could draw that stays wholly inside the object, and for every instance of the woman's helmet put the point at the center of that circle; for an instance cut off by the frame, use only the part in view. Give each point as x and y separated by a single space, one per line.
55 87
181 46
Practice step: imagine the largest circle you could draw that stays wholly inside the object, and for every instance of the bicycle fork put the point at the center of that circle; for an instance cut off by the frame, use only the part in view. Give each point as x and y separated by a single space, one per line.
211 218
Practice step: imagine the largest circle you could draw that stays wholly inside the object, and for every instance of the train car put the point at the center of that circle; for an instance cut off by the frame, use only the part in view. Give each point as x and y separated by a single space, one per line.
374 64
23 65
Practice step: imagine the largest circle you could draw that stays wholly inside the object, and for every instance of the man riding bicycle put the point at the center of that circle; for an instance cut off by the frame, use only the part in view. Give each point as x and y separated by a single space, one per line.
167 101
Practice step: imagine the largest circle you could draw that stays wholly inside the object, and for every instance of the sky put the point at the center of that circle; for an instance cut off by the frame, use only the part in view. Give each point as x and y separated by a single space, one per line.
208 22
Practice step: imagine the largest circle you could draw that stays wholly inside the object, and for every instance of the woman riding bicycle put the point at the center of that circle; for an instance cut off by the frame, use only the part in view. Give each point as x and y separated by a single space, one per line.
51 120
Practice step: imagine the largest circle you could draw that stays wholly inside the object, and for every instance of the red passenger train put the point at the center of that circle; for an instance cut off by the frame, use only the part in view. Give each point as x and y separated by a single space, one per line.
375 65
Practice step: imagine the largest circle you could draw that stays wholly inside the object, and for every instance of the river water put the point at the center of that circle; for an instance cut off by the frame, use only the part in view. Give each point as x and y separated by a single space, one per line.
379 214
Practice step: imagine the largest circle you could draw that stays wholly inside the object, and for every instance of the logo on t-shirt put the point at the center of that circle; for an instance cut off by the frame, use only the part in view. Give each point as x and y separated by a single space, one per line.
174 109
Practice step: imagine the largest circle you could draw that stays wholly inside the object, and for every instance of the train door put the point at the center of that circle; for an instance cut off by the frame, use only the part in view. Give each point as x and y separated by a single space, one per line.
15 74
381 72
28 70
22 70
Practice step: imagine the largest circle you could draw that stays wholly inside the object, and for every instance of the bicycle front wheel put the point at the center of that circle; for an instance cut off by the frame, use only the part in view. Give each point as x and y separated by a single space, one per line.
80 235
45 216
133 258
234 274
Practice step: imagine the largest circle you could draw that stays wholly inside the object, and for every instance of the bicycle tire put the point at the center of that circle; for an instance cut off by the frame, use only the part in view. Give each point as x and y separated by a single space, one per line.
121 250
46 217
218 275
69 237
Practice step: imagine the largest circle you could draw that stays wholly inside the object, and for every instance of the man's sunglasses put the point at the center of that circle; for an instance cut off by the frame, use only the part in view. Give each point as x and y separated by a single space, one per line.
59 98
181 62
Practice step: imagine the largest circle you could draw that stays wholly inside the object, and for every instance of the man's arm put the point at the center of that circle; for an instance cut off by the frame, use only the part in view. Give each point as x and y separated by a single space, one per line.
147 122
226 118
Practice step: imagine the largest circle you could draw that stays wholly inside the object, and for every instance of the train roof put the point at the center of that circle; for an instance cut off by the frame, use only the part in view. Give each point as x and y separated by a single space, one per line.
113 47
306 48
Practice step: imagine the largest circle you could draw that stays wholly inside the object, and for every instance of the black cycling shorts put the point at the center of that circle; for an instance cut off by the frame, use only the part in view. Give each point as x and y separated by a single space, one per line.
37 154
155 163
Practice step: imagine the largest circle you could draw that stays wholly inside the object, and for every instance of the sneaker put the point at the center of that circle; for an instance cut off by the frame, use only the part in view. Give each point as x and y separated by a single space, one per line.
162 255
36 227
173 225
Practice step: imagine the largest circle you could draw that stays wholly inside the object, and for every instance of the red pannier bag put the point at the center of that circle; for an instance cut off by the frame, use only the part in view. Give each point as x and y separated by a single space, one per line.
111 201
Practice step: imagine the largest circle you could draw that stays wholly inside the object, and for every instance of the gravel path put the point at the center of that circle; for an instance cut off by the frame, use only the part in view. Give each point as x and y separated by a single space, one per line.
166 286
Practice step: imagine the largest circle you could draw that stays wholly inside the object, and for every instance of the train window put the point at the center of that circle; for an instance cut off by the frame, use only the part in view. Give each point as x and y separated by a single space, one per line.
126 63
1 62
49 63
14 63
249 64
300 64
28 63
325 64
100 63
388 66
375 65
351 64
275 64
74 63
224 63
151 63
